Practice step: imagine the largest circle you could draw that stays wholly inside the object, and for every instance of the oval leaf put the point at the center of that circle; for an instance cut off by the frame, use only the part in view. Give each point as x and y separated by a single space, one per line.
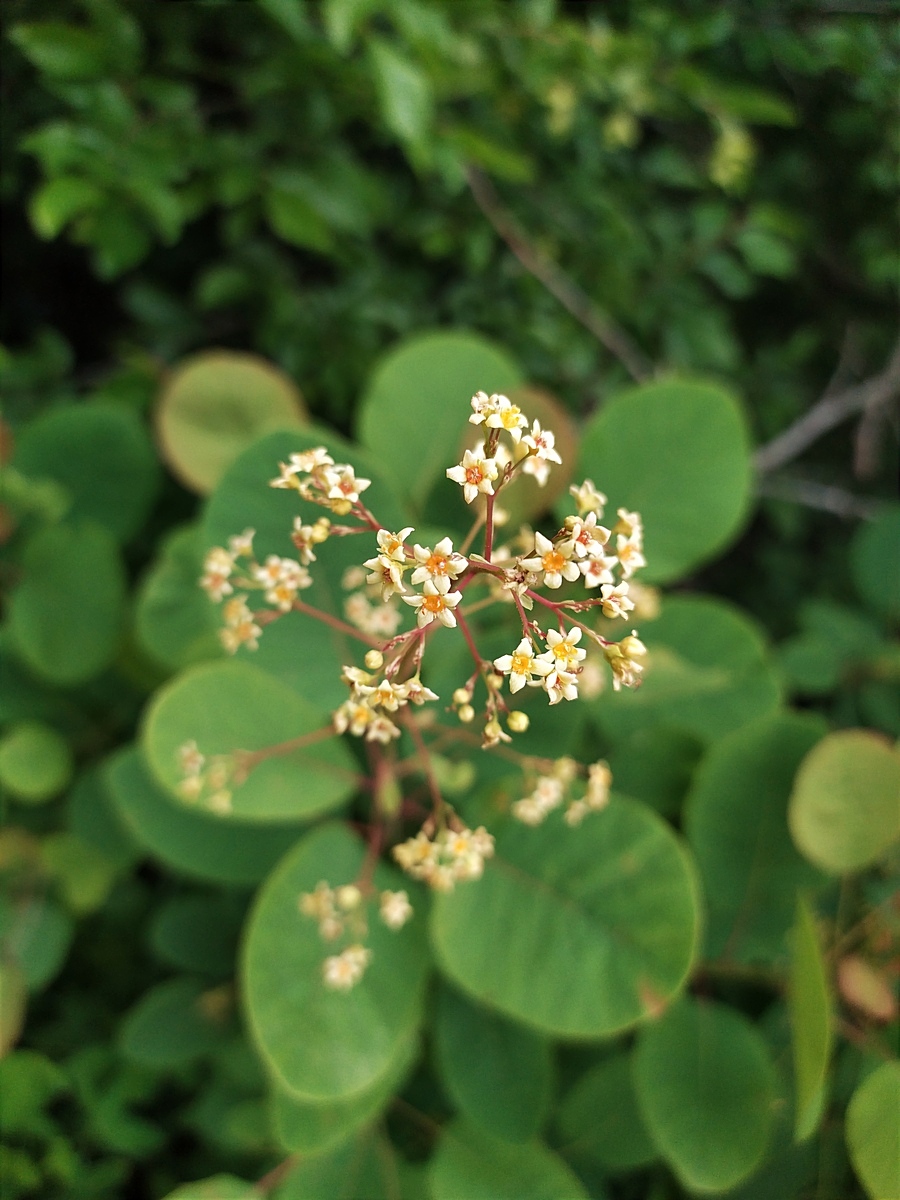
469 1165
809 1002
576 933
418 398
845 807
736 823
600 1119
216 404
175 622
706 1086
349 1038
875 561
231 706
678 453
169 1026
872 1132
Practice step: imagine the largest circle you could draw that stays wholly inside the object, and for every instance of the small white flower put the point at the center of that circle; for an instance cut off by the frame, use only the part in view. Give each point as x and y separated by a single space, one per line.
561 685
308 460
587 498
628 552
440 563
585 536
553 560
563 652
630 526
343 486
521 665
343 971
382 729
240 627
217 567
390 545
475 473
303 537
541 442
415 692
241 545
387 574
191 760
598 570
506 415
353 715
395 909
435 604
615 601
599 780
385 695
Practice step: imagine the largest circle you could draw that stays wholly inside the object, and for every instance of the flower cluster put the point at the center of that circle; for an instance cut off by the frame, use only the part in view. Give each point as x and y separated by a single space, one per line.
447 858
207 782
399 596
552 789
342 911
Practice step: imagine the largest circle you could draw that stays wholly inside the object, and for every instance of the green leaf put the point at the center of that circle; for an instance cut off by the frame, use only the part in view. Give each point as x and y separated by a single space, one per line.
404 93
102 456
736 824
13 1001
341 18
35 762
175 621
299 649
498 1075
599 1118
198 933
707 673
214 405
193 843
233 706
290 15
92 817
577 933
809 1000
350 1038
58 201
83 875
872 1132
469 1165
66 615
35 935
706 1086
61 50
655 765
170 1026
875 562
678 453
217 1187
418 397
303 1127
845 807
28 1083
294 217
365 1166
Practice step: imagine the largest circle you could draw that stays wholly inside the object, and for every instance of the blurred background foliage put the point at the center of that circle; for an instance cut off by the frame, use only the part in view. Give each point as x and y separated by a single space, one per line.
607 193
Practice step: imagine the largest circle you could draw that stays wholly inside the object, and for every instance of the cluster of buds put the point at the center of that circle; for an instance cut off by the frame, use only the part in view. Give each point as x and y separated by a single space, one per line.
332 485
206 781
449 857
341 912
551 790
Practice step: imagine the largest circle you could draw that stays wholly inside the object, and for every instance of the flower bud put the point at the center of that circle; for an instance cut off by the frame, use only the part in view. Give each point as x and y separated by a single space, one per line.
494 682
320 530
462 696
374 660
518 721
348 897
492 730
466 713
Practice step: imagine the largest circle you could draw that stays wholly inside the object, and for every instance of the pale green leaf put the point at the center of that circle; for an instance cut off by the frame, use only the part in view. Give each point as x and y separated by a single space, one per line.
809 999
873 1132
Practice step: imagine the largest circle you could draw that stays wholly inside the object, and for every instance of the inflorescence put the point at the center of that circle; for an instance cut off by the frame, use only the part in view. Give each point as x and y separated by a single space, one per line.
434 582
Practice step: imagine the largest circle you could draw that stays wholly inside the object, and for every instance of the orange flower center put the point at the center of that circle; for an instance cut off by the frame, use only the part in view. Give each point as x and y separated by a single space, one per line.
438 564
553 561
433 604
520 664
474 475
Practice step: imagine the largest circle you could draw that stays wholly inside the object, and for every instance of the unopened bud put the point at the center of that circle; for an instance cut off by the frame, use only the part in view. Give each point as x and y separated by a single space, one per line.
494 682
462 696
374 660
518 721
320 530
466 713
492 730
348 897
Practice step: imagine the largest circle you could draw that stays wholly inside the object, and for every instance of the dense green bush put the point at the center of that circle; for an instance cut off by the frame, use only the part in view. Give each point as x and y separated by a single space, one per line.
240 230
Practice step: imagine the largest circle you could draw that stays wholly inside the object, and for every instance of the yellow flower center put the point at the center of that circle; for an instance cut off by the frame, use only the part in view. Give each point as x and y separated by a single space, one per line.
553 561
438 564
433 604
521 664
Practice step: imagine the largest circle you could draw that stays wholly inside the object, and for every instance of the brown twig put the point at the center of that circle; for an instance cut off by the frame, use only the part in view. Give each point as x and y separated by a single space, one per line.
822 496
830 411
554 279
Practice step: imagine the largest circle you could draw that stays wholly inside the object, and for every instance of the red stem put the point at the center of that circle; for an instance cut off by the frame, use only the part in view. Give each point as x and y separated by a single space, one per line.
335 623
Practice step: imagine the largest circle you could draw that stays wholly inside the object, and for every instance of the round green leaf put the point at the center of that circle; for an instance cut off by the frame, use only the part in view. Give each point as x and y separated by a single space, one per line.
194 843
83 875
417 403
66 615
496 1073
35 762
736 824
214 405
232 706
707 673
678 453
469 1165
707 1089
298 649
175 621
349 1038
845 807
169 1027
35 935
578 933
873 1135
218 1187
365 1166
600 1118
102 456
875 562
303 1127
809 1001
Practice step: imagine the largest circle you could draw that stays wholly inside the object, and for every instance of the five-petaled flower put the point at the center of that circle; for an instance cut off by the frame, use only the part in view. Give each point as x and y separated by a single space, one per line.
476 474
436 603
